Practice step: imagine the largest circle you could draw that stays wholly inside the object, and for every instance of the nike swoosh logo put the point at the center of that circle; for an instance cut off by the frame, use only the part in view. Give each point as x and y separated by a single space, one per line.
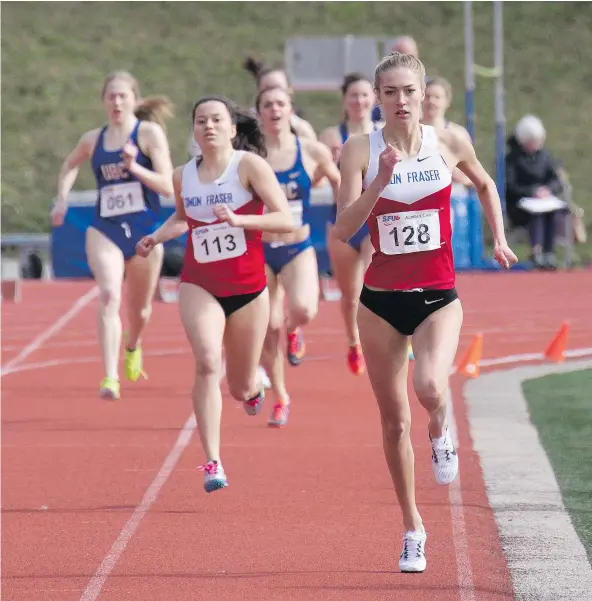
427 302
222 183
424 158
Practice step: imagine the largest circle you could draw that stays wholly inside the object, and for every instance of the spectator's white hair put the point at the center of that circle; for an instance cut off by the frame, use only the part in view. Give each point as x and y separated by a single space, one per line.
530 129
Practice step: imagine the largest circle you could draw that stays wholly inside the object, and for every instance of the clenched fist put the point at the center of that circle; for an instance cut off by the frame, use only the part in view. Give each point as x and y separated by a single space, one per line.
387 160
145 246
227 215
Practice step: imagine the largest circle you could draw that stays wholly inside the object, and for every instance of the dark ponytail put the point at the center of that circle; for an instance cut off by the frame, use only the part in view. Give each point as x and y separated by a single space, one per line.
248 135
253 66
258 70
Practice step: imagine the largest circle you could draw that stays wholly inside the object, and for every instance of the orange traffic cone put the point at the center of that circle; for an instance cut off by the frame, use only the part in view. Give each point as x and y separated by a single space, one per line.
11 291
469 362
556 348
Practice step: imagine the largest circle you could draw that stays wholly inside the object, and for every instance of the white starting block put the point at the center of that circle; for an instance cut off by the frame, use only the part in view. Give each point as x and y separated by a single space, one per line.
167 290
329 289
11 291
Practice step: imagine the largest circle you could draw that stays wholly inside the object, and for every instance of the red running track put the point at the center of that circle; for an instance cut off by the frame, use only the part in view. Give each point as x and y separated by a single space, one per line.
310 513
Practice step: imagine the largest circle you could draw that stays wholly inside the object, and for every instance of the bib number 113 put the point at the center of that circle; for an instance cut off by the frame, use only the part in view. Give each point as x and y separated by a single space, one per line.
218 242
216 245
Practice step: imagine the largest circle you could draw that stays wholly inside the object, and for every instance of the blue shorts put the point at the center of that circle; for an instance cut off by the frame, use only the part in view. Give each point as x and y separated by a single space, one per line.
126 233
278 256
356 240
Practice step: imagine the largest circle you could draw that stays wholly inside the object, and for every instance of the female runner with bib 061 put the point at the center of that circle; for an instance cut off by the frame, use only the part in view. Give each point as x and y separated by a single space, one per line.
131 163
223 296
398 179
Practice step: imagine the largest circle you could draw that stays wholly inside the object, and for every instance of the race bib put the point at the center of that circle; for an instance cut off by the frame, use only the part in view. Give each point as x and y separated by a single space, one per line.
121 199
218 242
409 232
296 208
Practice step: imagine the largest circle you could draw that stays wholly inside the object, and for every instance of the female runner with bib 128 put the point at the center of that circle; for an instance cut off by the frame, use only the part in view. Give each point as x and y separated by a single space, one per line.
398 179
223 296
132 166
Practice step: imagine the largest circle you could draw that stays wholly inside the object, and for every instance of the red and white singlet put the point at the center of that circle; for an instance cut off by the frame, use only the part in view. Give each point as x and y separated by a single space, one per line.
410 225
224 260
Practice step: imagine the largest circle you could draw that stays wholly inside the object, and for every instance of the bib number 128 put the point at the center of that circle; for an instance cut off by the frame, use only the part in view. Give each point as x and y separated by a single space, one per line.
411 235
410 232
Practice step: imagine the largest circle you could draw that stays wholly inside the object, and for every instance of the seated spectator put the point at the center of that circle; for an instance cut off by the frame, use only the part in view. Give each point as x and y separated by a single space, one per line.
531 172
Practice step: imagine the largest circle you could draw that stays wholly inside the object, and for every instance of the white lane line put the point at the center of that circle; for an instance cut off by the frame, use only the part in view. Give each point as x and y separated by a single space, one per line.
93 589
545 556
53 329
459 527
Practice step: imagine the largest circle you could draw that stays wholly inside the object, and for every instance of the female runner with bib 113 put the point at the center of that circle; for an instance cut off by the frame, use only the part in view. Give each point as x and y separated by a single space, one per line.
398 179
223 296
131 163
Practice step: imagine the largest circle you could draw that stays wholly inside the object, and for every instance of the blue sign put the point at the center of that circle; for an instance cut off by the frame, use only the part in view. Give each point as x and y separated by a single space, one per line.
68 241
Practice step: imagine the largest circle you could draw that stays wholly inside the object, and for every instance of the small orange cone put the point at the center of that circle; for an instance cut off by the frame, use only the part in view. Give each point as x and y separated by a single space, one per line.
469 362
556 348
11 291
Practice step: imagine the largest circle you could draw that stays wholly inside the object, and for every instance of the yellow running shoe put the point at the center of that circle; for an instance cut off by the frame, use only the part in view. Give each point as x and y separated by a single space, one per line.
133 364
109 388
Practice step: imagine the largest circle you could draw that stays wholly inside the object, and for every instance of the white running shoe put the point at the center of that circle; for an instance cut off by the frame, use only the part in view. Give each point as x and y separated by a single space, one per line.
214 476
264 378
413 557
444 458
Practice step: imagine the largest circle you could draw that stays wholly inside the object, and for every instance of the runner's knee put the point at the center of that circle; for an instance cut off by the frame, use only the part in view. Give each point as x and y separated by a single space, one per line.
110 300
208 363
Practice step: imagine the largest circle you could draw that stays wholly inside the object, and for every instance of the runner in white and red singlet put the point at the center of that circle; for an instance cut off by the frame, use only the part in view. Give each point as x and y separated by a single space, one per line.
398 180
223 297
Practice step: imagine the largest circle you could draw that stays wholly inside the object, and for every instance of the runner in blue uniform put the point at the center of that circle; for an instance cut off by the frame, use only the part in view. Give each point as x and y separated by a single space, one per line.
290 259
131 162
350 260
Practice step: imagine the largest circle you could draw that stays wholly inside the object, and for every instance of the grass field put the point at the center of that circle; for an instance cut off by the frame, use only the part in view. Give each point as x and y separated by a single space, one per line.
561 409
55 56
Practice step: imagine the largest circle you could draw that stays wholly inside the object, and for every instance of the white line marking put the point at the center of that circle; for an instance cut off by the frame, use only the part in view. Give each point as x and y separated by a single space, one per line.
161 353
56 362
93 590
526 357
546 558
84 340
459 528
53 329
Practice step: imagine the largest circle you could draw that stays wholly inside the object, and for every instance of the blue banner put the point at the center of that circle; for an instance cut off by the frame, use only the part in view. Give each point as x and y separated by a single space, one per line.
69 256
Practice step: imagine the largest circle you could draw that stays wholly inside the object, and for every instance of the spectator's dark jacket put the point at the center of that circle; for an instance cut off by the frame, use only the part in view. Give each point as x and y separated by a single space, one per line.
526 172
